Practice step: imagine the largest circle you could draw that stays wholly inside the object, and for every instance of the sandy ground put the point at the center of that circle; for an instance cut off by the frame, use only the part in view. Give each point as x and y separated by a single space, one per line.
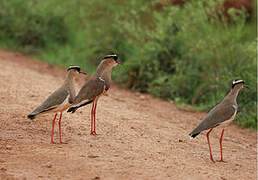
139 137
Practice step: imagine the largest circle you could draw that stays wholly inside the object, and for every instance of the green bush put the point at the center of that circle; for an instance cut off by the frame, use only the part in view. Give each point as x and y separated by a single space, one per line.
31 27
191 59
178 54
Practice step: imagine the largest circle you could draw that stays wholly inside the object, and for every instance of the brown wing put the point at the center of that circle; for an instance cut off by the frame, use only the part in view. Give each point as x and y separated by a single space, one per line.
214 118
92 89
55 99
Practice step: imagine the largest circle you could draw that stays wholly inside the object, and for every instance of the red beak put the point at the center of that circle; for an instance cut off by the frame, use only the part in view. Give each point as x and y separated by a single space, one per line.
82 72
245 86
118 62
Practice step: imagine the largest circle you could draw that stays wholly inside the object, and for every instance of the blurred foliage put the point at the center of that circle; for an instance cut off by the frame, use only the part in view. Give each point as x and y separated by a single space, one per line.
185 55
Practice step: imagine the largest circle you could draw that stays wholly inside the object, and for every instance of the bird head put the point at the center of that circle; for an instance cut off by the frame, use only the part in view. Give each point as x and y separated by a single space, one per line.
239 84
111 60
75 70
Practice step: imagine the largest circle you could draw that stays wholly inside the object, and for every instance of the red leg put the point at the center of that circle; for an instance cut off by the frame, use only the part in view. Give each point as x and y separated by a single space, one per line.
220 142
92 111
94 115
208 139
53 128
60 133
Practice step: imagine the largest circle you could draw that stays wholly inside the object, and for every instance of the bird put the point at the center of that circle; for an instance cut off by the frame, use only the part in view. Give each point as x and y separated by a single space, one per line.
59 100
221 115
96 86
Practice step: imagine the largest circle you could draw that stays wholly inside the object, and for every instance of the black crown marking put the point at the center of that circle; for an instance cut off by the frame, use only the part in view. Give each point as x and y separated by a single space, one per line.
237 81
74 67
114 56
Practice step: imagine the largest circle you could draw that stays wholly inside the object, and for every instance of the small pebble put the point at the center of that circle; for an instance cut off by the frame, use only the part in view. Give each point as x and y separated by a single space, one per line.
20 136
8 147
3 169
92 156
49 165
96 178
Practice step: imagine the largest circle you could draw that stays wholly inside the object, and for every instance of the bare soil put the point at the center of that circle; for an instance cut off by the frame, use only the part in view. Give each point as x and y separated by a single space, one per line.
139 137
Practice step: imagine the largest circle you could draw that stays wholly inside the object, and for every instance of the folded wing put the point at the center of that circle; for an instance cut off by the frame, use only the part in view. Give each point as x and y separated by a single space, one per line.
51 103
215 117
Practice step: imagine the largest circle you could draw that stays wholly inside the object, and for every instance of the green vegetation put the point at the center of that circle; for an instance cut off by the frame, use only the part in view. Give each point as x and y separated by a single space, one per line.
178 54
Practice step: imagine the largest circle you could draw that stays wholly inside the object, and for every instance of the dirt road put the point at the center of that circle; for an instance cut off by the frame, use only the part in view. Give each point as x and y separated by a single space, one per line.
139 137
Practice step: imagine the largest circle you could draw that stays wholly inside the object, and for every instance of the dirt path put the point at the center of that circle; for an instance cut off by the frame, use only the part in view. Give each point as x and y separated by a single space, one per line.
140 137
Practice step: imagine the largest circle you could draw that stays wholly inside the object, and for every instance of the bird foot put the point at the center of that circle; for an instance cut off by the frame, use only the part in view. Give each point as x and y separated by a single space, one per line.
63 142
52 142
222 161
212 159
93 133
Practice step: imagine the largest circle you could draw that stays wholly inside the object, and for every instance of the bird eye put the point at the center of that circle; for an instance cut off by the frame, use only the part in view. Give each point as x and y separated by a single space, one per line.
115 58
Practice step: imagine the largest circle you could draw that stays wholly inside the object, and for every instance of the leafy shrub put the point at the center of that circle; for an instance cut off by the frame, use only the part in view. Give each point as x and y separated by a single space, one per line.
27 26
178 54
191 59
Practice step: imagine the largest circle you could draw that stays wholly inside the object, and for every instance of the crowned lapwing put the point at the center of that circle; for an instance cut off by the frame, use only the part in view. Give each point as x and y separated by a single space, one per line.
60 100
221 115
97 85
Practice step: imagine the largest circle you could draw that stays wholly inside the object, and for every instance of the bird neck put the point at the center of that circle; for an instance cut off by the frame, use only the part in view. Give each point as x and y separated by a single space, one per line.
69 79
104 72
232 95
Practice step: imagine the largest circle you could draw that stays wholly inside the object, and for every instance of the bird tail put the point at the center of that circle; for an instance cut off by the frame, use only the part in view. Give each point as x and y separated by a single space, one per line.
74 108
201 127
31 116
193 135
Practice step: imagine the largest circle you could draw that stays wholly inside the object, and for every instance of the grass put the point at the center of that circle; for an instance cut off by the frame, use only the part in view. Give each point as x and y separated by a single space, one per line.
177 54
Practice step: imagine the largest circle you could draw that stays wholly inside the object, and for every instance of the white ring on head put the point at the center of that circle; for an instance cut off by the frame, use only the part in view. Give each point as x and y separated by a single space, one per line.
237 81
74 67
110 56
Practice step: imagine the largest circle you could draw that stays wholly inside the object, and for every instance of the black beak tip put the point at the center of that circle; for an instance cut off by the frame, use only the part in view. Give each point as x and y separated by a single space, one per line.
81 72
